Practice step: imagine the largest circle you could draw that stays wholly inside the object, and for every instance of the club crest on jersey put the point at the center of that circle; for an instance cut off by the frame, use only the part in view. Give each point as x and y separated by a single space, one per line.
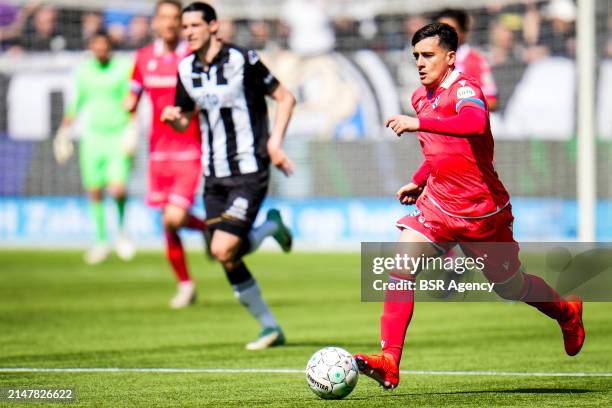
465 92
253 57
435 102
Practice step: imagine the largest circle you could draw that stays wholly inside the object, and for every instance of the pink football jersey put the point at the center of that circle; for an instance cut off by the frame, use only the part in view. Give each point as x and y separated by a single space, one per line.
155 72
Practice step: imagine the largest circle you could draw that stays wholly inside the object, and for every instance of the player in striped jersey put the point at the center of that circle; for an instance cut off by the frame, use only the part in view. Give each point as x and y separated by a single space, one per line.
226 87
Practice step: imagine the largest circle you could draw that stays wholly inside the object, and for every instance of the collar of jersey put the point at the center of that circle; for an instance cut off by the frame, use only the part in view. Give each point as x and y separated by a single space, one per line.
450 79
198 66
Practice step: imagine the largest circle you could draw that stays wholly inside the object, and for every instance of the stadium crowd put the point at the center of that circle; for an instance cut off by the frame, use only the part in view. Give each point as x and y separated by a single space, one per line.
521 31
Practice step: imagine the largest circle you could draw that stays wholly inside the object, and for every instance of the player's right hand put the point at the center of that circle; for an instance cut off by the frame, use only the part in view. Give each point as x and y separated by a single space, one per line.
409 193
171 114
62 145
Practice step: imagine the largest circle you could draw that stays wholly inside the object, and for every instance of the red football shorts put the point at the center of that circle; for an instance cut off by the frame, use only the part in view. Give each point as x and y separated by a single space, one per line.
490 237
173 182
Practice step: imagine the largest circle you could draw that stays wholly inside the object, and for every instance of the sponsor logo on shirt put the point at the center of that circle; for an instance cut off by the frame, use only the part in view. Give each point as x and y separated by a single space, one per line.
465 92
160 81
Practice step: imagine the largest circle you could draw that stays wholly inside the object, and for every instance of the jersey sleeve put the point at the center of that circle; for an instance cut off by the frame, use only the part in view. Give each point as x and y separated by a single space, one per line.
468 94
136 79
258 75
182 97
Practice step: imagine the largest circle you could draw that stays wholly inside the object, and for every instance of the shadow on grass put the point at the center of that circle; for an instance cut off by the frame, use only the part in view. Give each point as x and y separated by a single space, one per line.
393 394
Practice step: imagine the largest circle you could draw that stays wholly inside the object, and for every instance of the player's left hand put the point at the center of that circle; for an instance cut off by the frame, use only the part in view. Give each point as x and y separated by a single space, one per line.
402 123
279 158
129 144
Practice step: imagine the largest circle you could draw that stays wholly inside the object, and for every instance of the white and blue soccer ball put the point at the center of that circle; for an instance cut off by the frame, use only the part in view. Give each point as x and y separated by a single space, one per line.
332 373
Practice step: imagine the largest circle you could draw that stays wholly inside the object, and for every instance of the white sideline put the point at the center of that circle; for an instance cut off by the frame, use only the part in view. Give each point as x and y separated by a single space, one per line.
284 371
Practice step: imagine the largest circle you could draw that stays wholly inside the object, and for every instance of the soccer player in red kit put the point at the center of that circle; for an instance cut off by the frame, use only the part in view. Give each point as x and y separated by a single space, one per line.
175 165
463 202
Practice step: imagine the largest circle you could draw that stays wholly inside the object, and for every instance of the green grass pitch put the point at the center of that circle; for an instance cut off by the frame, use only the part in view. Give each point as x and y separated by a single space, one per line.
55 312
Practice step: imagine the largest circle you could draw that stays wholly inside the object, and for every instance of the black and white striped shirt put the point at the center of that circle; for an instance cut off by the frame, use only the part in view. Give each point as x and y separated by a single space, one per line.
233 115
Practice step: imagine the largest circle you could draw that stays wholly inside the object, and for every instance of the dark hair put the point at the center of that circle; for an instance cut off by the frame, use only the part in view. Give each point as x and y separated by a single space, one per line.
445 33
208 13
460 16
175 3
101 33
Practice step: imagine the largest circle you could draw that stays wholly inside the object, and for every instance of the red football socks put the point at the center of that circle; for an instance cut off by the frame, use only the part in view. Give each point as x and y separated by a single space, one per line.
397 313
539 294
195 223
176 256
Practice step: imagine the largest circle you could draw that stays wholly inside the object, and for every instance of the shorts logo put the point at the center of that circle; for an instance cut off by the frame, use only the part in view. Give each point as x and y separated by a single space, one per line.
414 212
238 209
465 92
421 219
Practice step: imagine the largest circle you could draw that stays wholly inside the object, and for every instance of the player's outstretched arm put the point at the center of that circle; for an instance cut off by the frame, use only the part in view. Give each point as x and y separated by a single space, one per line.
285 104
174 116
470 121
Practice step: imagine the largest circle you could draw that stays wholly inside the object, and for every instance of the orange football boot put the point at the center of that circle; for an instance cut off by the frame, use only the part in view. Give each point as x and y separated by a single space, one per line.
380 367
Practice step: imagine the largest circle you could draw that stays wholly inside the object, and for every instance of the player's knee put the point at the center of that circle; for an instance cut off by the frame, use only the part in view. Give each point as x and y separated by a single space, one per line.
172 222
117 191
222 253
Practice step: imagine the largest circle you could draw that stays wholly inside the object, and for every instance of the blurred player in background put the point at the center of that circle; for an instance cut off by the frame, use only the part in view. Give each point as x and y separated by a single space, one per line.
226 86
464 202
469 60
175 166
102 84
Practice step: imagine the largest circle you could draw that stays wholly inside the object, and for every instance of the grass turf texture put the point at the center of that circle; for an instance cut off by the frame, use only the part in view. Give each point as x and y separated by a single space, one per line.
57 312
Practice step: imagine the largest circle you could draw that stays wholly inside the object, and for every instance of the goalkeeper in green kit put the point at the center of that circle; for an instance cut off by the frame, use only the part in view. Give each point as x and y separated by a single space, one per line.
108 140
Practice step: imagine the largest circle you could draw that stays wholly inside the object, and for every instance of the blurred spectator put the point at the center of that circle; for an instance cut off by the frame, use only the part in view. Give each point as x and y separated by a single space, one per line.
43 33
558 31
411 25
506 64
12 22
260 34
91 22
138 34
609 42
117 22
227 30
345 30
550 32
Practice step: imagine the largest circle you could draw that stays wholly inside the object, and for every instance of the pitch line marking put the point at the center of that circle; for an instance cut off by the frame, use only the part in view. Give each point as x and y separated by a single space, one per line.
287 371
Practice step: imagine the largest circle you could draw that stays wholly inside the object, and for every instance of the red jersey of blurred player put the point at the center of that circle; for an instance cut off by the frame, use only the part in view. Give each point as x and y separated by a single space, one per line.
467 59
175 167
155 72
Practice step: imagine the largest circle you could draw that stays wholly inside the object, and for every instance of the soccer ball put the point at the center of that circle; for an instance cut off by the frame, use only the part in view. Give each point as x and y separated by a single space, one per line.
332 373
